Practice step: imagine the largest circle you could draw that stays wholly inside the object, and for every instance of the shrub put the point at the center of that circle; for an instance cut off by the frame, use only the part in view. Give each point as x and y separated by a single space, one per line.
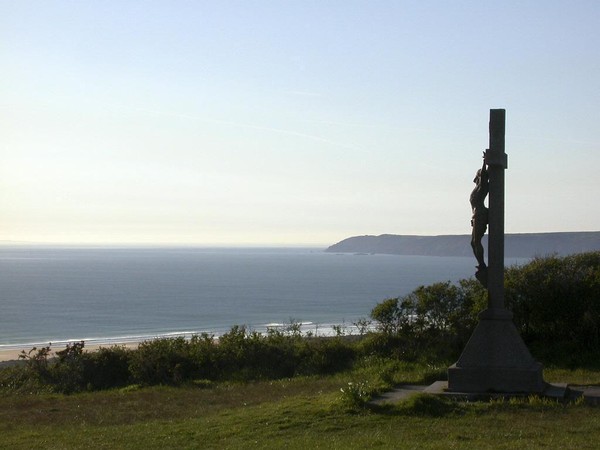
163 361
385 345
557 301
355 395
67 372
362 325
36 364
204 351
251 356
388 316
438 318
325 356
107 368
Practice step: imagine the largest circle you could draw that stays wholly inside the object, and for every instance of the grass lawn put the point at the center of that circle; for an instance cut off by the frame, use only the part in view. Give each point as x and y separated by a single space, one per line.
300 413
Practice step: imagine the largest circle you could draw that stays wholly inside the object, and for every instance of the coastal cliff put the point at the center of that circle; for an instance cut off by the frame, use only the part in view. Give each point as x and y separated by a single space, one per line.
522 245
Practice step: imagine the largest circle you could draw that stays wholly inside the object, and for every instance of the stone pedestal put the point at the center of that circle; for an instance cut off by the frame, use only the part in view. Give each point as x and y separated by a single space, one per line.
496 359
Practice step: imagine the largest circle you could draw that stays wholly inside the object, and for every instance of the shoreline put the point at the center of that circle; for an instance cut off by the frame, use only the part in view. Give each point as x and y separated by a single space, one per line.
12 355
11 352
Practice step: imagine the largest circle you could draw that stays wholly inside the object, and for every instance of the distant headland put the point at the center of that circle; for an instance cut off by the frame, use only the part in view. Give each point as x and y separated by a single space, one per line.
521 245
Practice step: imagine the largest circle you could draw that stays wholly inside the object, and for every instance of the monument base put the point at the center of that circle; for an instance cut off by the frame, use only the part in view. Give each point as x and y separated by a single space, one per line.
496 359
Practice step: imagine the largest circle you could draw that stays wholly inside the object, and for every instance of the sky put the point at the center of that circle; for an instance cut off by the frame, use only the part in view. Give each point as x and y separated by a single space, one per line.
293 122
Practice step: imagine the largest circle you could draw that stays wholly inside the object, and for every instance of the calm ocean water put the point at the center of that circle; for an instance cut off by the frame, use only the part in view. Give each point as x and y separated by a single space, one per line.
119 294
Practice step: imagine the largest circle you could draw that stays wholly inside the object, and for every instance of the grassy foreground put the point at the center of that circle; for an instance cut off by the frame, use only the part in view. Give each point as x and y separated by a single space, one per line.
296 413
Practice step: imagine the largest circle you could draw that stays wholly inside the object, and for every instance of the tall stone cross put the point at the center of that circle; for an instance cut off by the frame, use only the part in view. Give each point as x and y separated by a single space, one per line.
497 162
495 359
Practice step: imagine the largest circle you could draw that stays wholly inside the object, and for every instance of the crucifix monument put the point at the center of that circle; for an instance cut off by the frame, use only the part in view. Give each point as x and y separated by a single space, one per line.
495 359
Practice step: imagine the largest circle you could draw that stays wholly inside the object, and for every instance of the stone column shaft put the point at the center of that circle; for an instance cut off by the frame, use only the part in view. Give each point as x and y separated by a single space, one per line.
496 160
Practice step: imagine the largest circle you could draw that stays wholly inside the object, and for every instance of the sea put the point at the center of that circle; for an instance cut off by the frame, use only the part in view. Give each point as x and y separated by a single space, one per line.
106 295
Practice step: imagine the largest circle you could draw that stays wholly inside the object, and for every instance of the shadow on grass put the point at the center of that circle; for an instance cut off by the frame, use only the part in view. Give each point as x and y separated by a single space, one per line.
437 374
420 405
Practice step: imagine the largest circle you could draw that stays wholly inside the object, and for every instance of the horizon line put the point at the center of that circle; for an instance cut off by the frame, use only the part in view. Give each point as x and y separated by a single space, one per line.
313 245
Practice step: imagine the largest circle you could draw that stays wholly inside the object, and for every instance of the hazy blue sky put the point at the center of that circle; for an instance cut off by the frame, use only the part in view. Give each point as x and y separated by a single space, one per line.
291 122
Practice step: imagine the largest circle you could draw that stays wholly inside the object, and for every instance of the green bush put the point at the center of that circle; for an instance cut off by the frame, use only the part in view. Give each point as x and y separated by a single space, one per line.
68 370
438 318
35 371
246 356
163 361
325 355
355 395
204 351
21 379
386 345
72 369
107 368
390 316
275 355
556 301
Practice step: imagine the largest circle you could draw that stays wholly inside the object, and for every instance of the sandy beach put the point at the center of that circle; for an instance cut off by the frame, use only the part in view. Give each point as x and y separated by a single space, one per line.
13 354
9 355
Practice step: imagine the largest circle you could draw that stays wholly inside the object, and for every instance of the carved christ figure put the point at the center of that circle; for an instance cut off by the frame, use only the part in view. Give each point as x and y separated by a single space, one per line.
479 219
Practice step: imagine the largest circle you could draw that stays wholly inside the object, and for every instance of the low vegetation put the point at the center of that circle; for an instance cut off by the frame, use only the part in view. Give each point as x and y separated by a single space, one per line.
237 356
281 389
302 412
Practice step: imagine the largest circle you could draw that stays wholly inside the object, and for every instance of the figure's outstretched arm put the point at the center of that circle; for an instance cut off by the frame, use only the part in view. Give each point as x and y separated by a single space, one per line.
484 172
